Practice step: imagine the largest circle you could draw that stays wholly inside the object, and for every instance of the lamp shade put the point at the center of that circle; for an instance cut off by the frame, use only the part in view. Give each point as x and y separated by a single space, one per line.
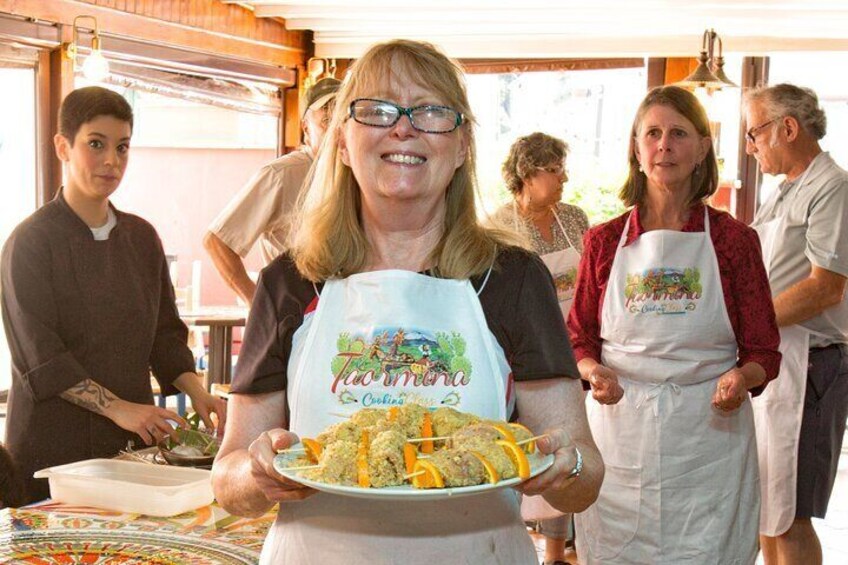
702 75
720 75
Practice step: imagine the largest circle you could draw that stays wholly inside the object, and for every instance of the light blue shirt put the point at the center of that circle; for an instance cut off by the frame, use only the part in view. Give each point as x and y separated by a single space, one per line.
814 210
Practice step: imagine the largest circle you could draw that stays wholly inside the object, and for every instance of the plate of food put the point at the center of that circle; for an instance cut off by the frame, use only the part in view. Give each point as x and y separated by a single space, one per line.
413 453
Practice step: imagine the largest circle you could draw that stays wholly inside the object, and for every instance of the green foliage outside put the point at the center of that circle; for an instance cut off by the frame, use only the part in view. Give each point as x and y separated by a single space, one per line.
598 196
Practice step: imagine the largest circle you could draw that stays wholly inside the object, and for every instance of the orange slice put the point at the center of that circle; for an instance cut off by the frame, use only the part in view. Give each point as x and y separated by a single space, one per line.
427 431
490 469
430 478
394 413
521 429
519 458
410 456
362 477
503 429
313 449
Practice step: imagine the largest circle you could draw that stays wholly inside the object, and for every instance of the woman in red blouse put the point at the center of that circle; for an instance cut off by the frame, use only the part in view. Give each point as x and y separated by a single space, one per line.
673 326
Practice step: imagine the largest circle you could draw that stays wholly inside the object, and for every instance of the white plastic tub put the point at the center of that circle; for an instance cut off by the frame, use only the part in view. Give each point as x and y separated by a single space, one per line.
129 486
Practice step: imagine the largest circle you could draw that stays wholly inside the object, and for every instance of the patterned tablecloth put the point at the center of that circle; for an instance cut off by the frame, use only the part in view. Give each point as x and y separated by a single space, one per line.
53 533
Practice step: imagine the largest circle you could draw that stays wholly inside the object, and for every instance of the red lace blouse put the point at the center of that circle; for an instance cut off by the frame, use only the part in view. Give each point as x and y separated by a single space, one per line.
743 280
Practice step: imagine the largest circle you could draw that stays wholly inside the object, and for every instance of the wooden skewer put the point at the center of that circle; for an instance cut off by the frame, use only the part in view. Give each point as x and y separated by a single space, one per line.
292 450
439 438
529 439
299 468
416 474
421 439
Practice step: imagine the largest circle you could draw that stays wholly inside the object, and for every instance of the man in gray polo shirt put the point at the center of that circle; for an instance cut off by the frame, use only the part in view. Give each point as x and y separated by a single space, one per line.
262 207
803 228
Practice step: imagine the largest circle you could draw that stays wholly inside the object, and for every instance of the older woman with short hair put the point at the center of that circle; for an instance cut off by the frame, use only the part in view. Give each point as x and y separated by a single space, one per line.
534 172
674 329
388 239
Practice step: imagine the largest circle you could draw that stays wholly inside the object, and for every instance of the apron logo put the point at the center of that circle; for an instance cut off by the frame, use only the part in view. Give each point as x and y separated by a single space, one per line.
663 291
385 367
565 283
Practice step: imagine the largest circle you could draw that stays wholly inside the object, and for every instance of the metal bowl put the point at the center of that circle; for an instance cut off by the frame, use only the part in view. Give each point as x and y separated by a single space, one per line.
191 438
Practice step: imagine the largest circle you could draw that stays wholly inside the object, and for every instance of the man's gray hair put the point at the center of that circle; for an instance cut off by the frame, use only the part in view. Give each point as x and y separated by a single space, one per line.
790 100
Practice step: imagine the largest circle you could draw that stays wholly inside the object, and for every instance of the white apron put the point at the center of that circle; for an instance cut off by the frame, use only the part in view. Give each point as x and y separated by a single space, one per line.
380 339
562 264
778 412
681 483
563 267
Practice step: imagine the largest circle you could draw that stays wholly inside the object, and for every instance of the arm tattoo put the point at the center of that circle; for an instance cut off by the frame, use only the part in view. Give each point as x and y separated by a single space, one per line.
89 395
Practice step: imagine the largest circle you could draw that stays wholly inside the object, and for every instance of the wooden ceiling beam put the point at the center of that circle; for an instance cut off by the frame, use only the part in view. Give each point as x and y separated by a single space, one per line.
154 30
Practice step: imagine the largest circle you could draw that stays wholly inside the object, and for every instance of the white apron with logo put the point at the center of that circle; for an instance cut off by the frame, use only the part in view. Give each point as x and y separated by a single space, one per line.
563 267
778 412
381 339
681 483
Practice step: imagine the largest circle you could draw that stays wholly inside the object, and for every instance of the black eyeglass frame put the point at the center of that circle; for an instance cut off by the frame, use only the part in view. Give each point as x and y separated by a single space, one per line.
749 135
402 111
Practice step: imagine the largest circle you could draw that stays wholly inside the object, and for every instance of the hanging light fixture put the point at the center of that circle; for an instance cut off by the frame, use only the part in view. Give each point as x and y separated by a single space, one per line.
95 67
318 68
710 71
719 64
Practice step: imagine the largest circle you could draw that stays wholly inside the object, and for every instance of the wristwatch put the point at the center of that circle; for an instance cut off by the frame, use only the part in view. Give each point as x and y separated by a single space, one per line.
578 465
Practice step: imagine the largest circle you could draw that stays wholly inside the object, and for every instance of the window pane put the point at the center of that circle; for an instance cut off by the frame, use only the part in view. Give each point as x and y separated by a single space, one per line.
819 71
590 110
17 163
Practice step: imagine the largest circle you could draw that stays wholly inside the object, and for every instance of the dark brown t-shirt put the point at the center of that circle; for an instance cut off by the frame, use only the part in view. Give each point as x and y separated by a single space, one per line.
518 300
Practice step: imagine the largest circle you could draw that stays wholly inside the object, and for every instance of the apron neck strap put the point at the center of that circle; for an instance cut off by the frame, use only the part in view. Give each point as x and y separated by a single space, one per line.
488 272
485 280
562 227
623 239
626 230
517 222
428 273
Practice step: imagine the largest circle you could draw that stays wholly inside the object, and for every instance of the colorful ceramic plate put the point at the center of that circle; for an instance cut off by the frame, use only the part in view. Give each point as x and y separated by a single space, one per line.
538 464
56 547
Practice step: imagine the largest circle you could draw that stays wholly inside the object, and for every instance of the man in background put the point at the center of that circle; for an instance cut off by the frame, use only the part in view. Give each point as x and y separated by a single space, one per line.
262 207
803 228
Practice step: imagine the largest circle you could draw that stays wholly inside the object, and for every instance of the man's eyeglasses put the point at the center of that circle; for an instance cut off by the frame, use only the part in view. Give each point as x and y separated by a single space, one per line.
383 114
750 135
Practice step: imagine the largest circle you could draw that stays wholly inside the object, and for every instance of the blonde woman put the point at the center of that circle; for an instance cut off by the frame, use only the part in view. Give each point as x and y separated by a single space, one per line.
388 238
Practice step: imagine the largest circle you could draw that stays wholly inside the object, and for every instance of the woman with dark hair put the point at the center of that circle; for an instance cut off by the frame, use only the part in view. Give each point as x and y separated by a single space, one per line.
89 309
673 328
